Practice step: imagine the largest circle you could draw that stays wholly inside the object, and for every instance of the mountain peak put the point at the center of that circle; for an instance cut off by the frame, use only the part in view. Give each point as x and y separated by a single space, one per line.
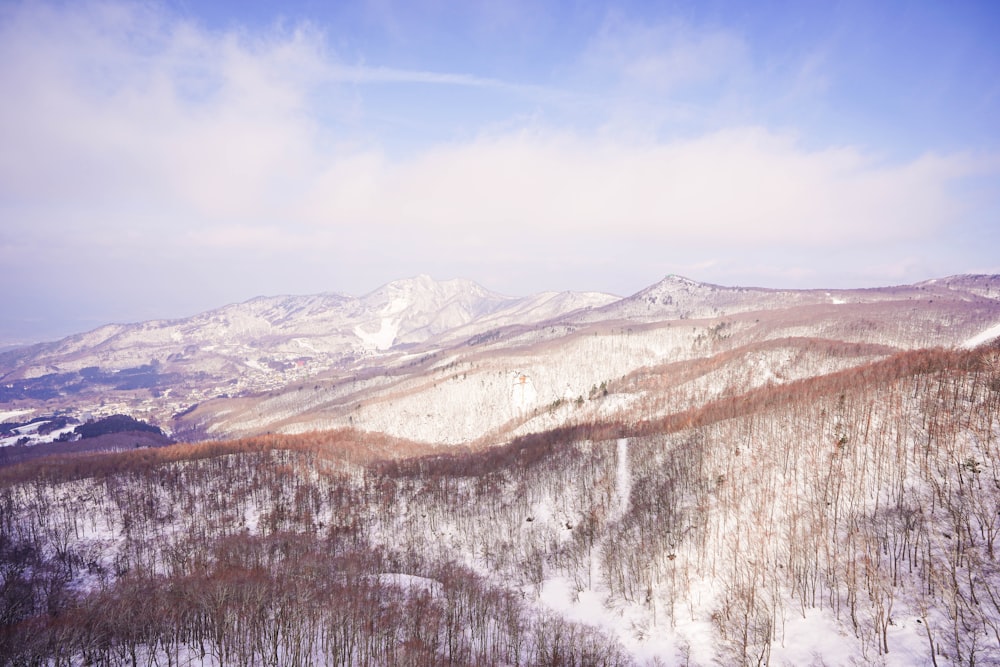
413 309
679 279
673 282
423 282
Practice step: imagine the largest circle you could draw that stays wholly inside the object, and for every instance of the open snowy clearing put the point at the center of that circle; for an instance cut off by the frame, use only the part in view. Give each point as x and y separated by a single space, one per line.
983 337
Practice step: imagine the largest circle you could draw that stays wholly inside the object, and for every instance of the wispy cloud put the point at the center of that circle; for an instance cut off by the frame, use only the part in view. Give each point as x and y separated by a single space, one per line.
659 58
362 74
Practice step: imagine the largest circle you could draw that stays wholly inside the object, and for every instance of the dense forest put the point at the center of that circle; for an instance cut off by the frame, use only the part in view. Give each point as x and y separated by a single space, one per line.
862 505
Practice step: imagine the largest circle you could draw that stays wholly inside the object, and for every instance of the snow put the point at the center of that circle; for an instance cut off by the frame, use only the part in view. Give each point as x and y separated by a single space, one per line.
623 477
817 638
30 431
984 336
304 343
522 392
591 608
410 582
10 415
827 641
631 624
381 339
256 365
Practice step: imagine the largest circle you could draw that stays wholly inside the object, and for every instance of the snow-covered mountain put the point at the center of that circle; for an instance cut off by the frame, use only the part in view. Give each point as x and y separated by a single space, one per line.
285 327
411 311
452 362
261 344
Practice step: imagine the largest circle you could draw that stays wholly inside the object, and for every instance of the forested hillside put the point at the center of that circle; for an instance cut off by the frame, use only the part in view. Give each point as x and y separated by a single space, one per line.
843 519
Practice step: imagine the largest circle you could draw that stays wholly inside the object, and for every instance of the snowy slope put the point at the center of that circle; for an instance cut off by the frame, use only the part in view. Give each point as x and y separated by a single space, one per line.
262 344
985 336
411 311
431 360
532 310
579 373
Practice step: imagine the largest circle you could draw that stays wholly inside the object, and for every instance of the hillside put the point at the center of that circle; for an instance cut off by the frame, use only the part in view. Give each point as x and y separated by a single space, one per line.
678 341
159 368
451 362
846 518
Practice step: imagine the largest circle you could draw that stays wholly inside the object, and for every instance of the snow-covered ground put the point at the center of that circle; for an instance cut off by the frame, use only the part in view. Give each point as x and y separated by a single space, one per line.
984 336
11 415
797 534
29 433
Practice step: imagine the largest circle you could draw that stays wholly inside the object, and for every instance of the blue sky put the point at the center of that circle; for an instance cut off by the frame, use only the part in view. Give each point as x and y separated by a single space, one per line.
163 158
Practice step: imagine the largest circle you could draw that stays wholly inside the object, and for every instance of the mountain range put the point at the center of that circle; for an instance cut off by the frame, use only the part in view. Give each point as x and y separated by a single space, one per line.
453 362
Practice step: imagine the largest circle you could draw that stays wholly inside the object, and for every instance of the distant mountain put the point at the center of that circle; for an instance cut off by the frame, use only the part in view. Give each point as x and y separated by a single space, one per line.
451 361
413 310
267 332
264 343
528 312
677 297
331 324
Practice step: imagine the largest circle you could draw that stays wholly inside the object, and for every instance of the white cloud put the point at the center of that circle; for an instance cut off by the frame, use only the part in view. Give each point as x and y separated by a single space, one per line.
123 125
745 185
113 105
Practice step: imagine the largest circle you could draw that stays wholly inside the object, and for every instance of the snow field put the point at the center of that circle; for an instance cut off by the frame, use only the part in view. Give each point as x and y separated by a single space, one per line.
984 336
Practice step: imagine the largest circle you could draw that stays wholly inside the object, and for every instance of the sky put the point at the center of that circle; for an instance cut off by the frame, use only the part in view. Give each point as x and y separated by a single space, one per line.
159 159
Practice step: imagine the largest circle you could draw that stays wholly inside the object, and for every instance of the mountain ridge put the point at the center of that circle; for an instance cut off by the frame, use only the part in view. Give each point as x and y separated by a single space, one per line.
451 361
